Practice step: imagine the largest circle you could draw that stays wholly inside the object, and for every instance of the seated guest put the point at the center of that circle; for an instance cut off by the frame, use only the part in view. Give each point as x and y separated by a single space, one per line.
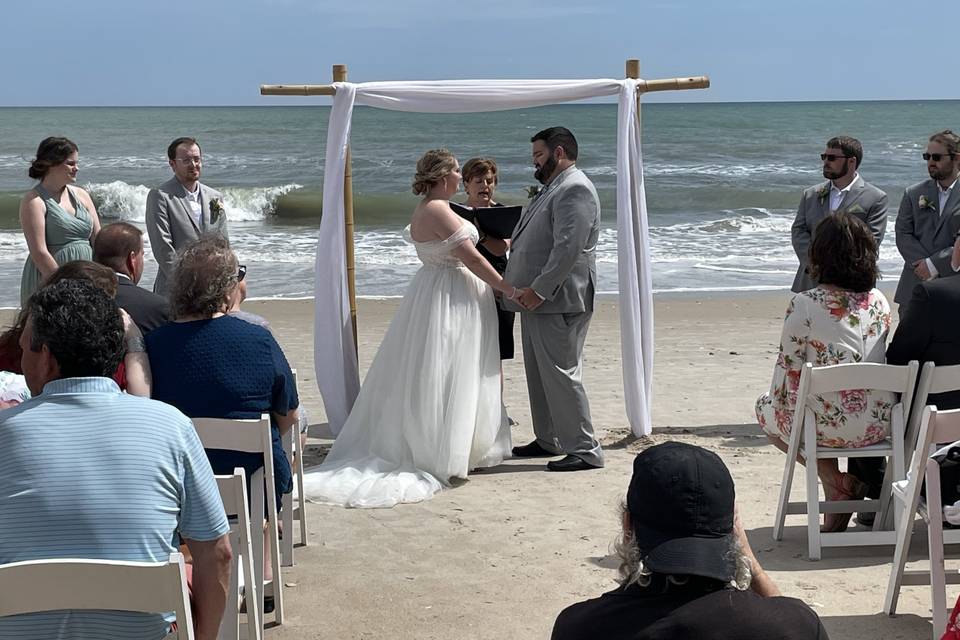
928 331
686 566
120 247
133 373
210 364
844 319
89 472
238 299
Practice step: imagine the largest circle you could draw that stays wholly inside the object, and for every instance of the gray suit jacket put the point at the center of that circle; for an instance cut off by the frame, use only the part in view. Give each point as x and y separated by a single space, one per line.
923 232
171 227
553 249
863 200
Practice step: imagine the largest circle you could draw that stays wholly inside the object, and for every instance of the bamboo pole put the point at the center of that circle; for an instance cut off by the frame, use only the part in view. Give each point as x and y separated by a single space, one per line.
644 86
340 75
633 71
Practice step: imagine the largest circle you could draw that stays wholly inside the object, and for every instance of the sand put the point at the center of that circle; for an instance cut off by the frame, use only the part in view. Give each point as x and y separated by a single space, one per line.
501 554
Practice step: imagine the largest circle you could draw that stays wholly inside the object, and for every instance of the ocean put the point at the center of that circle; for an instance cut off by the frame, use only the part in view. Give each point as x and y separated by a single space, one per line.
722 180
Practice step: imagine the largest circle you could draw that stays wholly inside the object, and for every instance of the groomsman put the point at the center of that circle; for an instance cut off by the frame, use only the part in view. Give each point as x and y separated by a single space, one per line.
844 190
553 262
180 210
929 217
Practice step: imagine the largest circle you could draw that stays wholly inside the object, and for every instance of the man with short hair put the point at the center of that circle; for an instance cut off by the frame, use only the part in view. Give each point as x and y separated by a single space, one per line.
89 472
553 264
844 190
686 566
180 210
929 217
120 247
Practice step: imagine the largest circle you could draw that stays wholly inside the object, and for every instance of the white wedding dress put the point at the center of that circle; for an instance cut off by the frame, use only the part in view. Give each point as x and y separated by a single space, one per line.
430 408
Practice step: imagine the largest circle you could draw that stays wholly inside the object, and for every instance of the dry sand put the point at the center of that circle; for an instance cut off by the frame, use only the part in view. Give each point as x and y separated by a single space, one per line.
501 554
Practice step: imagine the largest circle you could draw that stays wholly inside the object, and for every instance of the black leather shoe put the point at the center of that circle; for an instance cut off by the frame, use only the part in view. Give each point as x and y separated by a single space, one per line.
569 463
532 450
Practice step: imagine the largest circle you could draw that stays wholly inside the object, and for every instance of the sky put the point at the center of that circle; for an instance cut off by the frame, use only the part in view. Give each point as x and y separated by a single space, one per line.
218 52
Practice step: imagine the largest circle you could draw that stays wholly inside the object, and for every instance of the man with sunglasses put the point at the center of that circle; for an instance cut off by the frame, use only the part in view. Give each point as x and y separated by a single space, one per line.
844 190
929 218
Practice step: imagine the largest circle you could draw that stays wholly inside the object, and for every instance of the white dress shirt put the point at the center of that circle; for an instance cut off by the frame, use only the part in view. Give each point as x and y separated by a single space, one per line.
944 195
196 210
836 195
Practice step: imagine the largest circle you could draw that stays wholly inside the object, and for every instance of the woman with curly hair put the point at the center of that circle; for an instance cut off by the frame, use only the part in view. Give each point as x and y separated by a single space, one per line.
842 320
209 364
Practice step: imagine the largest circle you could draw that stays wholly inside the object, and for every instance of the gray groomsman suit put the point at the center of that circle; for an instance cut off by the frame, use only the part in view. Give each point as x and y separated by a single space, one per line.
171 226
925 232
553 251
863 200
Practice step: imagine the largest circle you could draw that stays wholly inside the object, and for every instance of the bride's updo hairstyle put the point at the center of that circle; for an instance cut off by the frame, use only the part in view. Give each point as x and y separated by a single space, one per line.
432 167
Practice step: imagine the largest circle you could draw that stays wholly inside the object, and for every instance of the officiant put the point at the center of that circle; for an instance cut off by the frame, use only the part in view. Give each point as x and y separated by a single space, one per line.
480 183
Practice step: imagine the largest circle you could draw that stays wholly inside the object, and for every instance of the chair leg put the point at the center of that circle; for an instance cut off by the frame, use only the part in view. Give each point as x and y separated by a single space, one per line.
904 536
938 579
301 499
813 494
788 469
286 543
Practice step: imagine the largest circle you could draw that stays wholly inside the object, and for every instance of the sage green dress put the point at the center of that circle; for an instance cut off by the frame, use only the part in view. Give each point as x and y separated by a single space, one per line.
67 237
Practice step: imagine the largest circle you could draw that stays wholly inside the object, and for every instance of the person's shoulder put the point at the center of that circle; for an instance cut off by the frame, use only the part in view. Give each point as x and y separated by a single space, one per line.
32 199
577 620
170 188
940 288
210 191
918 187
873 189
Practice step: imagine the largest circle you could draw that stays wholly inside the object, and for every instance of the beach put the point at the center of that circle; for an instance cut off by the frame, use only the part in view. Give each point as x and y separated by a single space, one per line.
499 555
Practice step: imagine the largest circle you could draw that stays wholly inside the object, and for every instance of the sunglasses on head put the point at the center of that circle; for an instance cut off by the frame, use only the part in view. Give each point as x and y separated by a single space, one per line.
241 272
937 157
831 157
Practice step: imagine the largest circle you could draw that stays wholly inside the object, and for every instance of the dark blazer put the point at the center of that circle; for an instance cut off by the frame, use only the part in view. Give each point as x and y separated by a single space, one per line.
928 331
147 309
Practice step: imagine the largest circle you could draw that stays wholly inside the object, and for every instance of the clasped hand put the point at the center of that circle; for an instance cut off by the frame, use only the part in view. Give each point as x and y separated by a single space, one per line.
526 298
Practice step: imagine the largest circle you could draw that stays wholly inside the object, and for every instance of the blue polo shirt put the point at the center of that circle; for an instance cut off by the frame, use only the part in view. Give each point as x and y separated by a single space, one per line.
89 472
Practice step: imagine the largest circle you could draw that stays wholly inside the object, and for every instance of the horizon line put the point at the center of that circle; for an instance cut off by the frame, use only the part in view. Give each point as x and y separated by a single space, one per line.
564 104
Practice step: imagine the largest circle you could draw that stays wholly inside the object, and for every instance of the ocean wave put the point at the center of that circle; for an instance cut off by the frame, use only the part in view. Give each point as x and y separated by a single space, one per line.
725 170
123 201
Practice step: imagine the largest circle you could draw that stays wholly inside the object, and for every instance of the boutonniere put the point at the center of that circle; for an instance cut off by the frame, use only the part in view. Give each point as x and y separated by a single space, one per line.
216 208
925 203
533 191
823 193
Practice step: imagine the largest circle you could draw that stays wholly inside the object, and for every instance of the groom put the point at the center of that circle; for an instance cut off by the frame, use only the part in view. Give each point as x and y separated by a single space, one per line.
553 260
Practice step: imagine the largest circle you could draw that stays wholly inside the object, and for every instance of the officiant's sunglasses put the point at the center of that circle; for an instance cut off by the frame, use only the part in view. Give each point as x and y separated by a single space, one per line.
241 272
832 157
936 157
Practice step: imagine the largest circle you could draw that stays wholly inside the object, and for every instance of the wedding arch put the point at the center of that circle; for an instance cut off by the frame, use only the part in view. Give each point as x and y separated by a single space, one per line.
335 359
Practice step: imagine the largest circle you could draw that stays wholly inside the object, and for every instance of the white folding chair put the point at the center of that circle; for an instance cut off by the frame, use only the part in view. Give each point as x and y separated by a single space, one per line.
803 443
253 436
935 426
233 492
49 585
291 446
933 380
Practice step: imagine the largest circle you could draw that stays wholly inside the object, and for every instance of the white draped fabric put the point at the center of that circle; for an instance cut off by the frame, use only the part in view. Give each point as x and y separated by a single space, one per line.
335 361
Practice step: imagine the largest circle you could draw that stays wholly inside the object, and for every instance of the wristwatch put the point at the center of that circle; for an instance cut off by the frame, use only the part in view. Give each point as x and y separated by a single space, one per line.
135 344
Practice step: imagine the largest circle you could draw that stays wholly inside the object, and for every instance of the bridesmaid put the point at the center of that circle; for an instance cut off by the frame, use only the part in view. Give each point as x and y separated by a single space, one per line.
59 221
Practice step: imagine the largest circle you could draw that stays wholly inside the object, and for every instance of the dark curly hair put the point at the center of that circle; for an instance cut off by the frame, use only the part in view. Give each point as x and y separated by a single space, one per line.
101 276
204 278
844 253
81 326
51 152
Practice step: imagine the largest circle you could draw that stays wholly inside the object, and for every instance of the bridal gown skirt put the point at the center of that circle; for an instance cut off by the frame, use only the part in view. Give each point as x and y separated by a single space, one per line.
429 409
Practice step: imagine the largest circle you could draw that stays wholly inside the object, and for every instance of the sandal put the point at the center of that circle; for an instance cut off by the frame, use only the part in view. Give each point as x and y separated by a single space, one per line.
850 488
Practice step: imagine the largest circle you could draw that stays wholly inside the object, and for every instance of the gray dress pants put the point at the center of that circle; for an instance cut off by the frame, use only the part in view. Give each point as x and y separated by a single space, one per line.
553 359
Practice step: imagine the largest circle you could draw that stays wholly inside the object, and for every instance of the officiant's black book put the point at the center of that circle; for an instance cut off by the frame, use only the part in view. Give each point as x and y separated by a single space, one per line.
498 222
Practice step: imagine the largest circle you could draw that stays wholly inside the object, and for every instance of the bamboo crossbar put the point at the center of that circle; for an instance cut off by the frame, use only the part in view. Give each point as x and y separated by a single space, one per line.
643 86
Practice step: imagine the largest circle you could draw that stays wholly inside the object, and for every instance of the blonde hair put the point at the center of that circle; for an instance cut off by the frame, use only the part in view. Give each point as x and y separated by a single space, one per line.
432 167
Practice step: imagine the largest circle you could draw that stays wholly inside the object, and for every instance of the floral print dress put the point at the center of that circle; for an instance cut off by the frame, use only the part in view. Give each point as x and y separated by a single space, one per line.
828 326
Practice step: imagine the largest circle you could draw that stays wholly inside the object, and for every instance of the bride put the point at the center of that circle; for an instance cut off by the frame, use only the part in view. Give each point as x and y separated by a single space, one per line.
429 409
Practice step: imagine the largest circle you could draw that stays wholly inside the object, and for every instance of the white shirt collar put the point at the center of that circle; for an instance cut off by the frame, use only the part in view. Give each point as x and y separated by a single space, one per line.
856 178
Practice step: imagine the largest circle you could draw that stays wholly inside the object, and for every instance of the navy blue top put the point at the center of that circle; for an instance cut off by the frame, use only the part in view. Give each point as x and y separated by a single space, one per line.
225 368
